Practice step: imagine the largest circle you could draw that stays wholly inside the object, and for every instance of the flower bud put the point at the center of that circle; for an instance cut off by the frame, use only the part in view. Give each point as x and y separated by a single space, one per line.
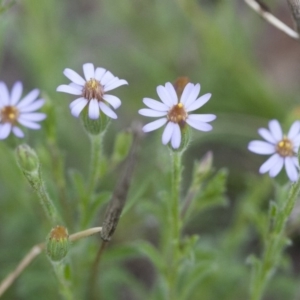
205 164
122 145
180 84
202 169
57 244
27 159
94 126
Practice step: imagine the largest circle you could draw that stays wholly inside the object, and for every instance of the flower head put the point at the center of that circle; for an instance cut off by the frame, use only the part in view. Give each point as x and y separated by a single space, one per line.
92 91
175 112
14 111
283 149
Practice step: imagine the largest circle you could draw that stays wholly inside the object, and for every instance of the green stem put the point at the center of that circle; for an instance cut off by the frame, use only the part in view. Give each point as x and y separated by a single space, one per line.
94 175
96 141
46 201
60 181
36 182
64 283
176 184
274 245
175 224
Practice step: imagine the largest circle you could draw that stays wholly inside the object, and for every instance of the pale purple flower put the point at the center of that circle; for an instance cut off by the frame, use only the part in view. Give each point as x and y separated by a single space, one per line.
283 149
175 112
15 112
92 91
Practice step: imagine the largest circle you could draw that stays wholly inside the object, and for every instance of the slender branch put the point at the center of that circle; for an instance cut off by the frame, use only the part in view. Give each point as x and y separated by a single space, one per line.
295 8
266 15
34 252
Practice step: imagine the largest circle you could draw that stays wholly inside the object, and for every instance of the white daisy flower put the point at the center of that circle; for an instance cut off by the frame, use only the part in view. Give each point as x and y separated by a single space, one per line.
175 112
14 111
283 149
92 91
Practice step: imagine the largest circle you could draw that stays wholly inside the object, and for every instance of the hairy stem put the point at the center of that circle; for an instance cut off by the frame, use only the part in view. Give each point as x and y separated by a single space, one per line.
274 245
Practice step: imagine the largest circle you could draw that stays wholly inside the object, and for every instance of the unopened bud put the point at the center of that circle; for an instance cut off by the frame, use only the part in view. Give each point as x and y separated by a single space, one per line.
57 244
180 84
122 145
205 163
27 159
94 126
202 169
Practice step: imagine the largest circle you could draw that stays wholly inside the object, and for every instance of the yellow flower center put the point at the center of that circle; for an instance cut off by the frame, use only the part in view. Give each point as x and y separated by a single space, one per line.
285 147
177 114
93 90
9 114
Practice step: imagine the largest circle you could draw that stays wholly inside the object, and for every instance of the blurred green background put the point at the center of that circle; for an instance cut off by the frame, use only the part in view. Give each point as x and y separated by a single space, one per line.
250 68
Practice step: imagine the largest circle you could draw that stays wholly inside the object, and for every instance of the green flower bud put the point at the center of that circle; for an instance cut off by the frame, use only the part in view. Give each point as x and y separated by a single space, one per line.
57 244
97 126
202 169
121 147
205 164
27 159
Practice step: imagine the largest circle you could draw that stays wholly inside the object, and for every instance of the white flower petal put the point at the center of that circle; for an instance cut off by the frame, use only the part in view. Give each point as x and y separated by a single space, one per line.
78 106
35 117
4 94
294 130
68 89
29 124
202 117
296 142
199 125
269 163
155 125
99 73
266 134
275 130
94 110
106 78
76 86
155 105
198 103
167 134
176 137
33 106
193 95
18 132
29 98
107 110
16 93
151 113
186 92
295 161
88 71
291 169
114 101
164 96
4 130
114 84
73 76
76 101
276 168
260 147
171 91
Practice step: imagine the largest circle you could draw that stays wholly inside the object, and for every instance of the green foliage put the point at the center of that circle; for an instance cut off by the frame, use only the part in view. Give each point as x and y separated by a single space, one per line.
227 237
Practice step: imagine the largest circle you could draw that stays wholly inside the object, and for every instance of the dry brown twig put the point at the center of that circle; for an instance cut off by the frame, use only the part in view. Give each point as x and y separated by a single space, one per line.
34 252
262 10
